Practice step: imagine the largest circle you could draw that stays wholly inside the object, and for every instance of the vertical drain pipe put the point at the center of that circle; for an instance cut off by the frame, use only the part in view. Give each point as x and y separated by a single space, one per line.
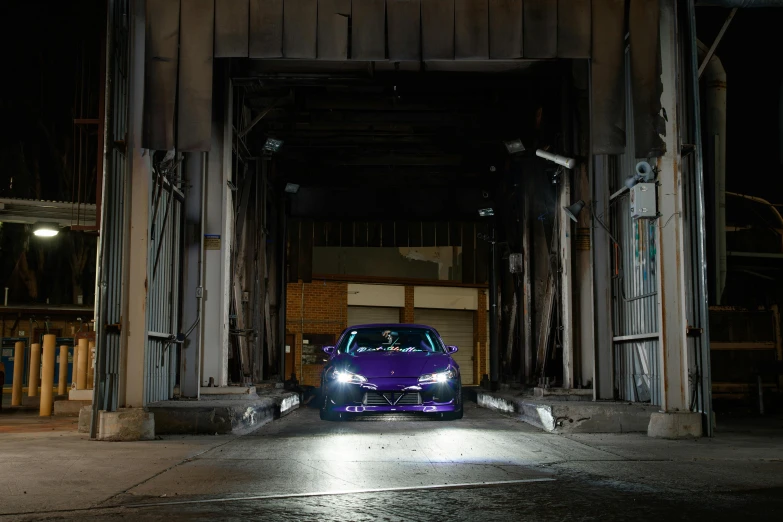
715 83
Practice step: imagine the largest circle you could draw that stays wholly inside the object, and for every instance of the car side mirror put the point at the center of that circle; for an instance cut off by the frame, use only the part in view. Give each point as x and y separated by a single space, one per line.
451 349
329 350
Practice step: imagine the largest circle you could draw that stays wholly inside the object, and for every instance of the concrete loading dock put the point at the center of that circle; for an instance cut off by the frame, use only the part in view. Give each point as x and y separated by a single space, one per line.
278 171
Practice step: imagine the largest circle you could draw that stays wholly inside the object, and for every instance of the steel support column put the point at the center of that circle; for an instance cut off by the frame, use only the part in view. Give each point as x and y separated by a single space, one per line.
671 230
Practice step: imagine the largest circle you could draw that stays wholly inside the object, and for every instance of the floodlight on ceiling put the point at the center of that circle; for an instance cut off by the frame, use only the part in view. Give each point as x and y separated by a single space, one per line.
46 229
272 145
514 146
486 212
291 188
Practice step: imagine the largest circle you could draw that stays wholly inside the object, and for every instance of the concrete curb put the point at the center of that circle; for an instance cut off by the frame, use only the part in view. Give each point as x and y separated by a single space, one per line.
560 416
209 417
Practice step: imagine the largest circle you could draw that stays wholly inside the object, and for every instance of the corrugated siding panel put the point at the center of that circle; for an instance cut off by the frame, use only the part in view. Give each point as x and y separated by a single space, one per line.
456 328
637 361
372 315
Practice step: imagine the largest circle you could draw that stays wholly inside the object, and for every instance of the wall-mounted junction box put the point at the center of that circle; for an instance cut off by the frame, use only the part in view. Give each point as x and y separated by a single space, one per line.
643 201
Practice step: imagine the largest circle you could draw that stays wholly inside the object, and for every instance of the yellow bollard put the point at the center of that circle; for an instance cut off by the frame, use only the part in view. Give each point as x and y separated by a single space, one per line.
47 376
35 370
91 365
75 366
81 373
62 385
16 392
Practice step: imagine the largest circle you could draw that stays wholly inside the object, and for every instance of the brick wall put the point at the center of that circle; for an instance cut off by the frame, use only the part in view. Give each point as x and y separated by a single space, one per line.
481 335
407 315
325 307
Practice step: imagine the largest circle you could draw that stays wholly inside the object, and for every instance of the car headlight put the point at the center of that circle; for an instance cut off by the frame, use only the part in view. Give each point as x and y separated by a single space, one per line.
437 377
346 377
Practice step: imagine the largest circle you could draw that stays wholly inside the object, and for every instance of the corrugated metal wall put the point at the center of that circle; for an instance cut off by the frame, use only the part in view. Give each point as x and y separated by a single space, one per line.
113 214
635 314
163 294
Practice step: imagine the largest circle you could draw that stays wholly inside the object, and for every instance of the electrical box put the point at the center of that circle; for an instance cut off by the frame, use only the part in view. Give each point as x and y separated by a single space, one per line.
643 201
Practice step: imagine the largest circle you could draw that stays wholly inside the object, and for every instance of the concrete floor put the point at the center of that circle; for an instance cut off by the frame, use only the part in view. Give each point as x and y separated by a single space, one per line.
49 472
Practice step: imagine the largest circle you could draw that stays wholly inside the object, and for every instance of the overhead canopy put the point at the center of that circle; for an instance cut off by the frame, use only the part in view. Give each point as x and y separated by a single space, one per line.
183 37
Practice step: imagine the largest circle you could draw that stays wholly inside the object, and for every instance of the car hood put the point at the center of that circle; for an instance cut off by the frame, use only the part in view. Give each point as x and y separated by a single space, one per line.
396 364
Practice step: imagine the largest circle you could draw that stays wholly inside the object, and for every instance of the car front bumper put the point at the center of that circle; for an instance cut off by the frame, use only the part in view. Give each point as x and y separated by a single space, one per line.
397 395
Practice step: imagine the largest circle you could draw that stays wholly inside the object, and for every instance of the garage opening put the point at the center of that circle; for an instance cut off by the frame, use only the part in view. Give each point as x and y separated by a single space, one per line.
391 184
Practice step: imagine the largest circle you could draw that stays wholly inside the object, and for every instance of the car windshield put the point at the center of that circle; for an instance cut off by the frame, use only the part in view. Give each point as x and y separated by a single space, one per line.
385 339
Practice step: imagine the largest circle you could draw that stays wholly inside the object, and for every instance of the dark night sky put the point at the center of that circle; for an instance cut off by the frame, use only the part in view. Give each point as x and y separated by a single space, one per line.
752 54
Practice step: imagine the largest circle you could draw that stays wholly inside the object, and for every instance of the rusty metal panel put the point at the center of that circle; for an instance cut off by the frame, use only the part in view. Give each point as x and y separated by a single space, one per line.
231 28
266 29
300 28
403 21
573 28
608 120
540 30
368 31
194 107
437 29
471 29
333 16
505 29
644 33
160 73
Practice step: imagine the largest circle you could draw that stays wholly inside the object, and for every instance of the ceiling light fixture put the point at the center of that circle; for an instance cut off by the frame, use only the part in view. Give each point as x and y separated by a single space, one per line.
514 146
291 188
486 212
46 229
272 145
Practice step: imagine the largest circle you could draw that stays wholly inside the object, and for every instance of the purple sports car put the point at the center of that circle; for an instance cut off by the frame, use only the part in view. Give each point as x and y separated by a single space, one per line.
381 368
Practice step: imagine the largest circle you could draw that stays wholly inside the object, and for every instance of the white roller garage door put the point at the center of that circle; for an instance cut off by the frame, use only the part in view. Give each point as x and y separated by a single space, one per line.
372 315
456 328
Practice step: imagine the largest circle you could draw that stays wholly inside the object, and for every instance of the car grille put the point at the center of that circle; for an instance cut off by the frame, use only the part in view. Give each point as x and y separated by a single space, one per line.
391 398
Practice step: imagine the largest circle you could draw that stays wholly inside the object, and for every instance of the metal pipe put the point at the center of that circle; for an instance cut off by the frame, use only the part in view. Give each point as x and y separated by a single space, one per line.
700 298
715 81
715 44
281 306
494 349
